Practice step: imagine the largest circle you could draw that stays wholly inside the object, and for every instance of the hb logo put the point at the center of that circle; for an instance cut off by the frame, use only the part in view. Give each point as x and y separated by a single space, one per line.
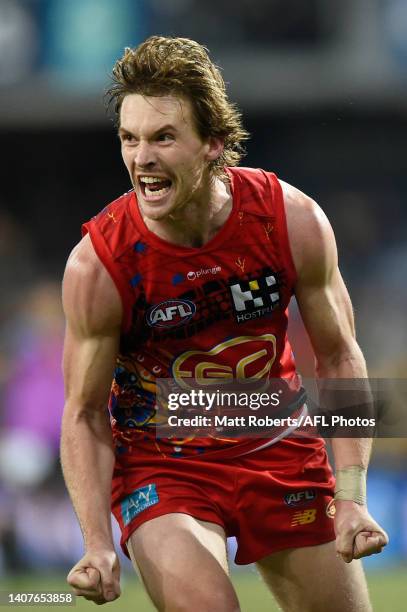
255 298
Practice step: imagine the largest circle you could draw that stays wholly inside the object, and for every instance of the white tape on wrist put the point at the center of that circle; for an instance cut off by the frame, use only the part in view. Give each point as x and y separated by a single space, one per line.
351 484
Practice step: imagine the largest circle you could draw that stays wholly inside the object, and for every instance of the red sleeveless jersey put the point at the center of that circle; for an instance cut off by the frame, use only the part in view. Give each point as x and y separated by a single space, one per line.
215 311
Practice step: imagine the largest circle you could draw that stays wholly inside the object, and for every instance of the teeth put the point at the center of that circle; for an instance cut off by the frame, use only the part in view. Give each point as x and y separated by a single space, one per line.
151 179
156 192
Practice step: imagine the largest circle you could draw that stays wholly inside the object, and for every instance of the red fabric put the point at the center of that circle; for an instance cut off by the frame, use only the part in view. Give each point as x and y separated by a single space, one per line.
153 275
246 495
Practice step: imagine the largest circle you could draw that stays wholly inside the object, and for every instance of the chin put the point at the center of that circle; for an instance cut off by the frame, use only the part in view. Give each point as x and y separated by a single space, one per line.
155 212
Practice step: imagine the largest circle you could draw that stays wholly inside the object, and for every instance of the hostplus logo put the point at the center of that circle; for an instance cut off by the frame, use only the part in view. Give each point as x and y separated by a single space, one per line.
195 274
255 297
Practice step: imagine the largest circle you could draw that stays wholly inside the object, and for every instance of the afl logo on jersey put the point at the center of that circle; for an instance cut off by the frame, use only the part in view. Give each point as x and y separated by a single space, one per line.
170 313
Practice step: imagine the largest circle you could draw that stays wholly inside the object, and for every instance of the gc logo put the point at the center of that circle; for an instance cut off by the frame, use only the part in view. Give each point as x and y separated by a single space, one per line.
246 358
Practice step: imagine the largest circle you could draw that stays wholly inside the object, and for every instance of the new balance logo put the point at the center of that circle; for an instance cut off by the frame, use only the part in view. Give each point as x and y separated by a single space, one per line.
304 517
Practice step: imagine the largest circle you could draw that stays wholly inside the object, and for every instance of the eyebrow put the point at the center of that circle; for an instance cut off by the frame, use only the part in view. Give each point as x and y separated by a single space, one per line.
168 126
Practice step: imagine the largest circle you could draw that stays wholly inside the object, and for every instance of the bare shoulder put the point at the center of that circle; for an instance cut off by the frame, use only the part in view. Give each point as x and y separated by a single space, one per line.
310 234
90 298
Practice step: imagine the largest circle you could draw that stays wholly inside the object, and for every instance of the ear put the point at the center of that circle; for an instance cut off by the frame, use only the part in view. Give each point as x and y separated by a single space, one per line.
215 148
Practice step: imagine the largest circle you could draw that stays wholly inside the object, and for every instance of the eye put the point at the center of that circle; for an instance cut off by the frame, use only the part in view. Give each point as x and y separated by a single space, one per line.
165 137
126 137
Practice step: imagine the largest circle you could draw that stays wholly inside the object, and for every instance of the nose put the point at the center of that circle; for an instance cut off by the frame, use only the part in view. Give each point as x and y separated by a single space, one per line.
145 156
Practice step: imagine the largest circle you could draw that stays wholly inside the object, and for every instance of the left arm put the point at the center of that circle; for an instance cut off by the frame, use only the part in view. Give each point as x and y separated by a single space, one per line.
327 313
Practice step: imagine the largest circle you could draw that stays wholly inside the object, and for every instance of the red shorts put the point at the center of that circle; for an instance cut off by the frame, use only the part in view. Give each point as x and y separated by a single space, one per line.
270 500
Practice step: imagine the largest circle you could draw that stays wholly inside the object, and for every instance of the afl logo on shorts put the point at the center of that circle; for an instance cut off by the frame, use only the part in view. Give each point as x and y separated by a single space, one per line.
300 498
170 313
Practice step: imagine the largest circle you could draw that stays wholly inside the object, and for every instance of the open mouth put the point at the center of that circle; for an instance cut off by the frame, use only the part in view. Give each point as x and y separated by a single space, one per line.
154 187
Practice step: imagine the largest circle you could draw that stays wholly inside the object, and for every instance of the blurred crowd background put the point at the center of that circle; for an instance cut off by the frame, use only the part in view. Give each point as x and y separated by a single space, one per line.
323 88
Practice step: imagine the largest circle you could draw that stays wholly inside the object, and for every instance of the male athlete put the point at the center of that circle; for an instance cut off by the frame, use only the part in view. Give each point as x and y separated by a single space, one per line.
186 276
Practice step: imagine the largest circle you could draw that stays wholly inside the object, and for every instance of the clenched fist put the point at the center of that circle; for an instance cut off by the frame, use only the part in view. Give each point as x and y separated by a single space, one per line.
357 533
96 576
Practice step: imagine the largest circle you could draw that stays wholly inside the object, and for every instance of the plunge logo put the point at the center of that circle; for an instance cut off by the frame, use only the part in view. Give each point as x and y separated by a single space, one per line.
195 274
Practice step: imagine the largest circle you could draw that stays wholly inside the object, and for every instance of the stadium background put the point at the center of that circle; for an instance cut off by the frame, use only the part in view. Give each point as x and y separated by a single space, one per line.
323 89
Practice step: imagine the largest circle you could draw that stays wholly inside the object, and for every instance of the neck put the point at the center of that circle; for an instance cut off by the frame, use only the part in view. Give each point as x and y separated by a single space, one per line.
196 222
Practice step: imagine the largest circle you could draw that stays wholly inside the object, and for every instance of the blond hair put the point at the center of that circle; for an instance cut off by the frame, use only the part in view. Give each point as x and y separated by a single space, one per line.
182 67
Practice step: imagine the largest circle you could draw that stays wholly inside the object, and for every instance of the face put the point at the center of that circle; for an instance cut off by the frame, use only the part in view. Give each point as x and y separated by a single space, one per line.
166 158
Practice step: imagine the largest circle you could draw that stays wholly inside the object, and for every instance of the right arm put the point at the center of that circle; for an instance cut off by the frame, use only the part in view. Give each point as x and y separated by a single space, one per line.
327 313
93 317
